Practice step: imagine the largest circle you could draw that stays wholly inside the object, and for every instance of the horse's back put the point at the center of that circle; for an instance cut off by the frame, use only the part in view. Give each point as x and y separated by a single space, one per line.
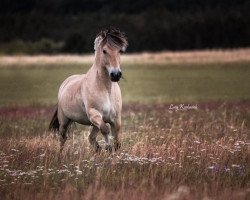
71 80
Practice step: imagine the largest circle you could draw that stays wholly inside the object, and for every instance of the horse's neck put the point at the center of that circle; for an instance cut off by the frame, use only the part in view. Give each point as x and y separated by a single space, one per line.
101 77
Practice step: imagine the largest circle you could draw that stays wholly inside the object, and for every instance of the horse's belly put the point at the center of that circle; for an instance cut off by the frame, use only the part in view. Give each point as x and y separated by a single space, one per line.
82 119
77 114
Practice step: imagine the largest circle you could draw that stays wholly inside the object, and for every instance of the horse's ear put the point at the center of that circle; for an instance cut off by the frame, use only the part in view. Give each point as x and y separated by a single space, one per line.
104 33
97 42
123 49
99 38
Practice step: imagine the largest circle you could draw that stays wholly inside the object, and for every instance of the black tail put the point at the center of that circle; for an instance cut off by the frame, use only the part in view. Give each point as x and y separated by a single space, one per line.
54 124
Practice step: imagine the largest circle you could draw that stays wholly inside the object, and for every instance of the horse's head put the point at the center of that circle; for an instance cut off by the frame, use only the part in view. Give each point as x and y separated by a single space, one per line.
108 45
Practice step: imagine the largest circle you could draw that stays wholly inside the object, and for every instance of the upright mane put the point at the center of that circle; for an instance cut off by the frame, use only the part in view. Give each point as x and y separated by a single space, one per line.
113 37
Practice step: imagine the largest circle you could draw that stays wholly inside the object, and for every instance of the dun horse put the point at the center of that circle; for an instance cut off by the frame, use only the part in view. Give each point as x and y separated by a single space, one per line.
94 98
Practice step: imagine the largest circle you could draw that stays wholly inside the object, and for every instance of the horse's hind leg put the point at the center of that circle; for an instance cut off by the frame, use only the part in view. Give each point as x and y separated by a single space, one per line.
63 133
64 122
92 138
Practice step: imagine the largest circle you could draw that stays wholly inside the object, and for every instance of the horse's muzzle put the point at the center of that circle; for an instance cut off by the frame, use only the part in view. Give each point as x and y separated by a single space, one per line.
115 76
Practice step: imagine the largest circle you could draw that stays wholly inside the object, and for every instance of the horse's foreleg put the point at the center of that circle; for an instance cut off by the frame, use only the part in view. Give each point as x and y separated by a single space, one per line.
92 138
116 132
96 119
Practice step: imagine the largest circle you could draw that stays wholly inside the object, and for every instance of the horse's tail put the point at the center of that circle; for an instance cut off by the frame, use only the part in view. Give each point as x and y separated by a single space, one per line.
54 123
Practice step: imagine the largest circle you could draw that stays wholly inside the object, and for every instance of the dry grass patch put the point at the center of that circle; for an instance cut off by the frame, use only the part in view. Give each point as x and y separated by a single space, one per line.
166 57
201 154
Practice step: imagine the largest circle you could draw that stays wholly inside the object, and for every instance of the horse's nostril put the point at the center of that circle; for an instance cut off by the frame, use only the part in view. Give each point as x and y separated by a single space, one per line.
115 76
119 74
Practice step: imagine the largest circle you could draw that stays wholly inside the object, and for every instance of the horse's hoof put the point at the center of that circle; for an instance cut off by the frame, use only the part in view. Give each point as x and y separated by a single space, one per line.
109 148
117 145
98 149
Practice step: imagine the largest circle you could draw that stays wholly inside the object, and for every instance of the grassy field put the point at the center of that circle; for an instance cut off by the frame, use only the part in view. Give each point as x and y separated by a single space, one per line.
168 154
39 85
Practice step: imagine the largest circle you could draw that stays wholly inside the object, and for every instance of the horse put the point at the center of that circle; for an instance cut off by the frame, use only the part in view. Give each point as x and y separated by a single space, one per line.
94 98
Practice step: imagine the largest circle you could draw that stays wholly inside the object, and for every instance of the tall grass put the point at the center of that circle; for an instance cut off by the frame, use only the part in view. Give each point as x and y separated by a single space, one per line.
165 154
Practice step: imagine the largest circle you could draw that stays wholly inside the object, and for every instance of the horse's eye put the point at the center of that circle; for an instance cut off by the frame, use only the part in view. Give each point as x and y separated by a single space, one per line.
104 51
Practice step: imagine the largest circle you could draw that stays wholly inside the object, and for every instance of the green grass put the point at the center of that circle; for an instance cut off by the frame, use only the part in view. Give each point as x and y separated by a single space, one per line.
143 83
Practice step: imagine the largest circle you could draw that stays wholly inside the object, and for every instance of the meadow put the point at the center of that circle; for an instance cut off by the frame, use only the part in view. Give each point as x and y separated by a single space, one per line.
166 153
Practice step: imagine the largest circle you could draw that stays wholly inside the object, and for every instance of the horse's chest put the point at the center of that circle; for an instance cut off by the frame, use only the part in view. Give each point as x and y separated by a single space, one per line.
108 111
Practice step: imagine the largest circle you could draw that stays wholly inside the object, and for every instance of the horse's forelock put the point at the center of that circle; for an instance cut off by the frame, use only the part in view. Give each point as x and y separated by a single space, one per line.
114 37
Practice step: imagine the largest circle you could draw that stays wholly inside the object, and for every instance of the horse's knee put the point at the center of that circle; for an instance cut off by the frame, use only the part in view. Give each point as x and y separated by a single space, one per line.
104 129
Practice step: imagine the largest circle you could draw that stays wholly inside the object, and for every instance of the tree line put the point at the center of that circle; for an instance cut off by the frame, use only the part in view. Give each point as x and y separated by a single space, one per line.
70 26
